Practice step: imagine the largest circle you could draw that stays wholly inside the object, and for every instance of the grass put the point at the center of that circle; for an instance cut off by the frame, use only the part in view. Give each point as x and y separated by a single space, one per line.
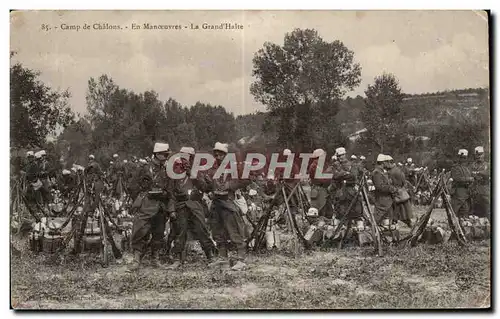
439 276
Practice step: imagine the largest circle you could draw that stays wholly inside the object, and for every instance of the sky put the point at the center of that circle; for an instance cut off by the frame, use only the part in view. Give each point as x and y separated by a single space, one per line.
427 51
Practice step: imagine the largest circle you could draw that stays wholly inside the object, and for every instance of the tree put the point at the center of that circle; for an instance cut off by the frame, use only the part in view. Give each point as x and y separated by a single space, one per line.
293 79
382 113
36 110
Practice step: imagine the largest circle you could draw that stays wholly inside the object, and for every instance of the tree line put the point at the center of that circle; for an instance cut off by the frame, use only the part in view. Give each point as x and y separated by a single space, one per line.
303 84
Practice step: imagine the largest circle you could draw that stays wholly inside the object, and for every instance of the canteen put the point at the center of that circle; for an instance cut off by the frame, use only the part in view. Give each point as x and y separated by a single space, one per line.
310 232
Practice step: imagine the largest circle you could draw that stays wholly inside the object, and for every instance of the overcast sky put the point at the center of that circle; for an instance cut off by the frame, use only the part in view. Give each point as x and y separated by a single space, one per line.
426 50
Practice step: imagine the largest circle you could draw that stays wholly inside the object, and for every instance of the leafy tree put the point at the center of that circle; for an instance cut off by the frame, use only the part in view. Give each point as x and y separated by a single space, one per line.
293 79
382 113
36 110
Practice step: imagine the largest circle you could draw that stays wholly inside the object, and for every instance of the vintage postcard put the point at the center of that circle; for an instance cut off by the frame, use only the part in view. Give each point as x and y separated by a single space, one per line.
250 160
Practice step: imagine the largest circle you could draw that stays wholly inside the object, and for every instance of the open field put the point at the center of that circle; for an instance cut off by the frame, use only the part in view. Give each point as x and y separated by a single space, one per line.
440 276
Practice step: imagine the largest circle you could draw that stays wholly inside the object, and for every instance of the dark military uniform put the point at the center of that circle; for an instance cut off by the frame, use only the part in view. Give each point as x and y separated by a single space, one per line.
94 184
402 211
67 185
320 198
345 178
481 189
460 189
118 177
226 220
153 203
383 194
190 216
45 174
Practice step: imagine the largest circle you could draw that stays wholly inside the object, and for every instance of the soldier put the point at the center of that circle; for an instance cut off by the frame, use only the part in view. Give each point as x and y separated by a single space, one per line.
153 203
28 162
345 177
462 181
189 214
67 184
225 219
118 175
45 175
383 189
94 183
481 174
320 198
402 211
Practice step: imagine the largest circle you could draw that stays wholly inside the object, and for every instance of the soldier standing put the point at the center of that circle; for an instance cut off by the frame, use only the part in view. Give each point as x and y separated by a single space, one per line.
320 198
402 211
153 203
345 177
45 175
189 214
383 189
460 189
118 174
226 219
481 174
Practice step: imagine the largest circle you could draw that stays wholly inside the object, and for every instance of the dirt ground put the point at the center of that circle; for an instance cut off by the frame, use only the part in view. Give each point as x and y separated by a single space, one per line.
438 276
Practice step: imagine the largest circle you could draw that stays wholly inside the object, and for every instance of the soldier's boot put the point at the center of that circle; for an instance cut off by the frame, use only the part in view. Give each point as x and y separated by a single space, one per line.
136 263
239 263
222 258
178 263
223 251
209 255
155 258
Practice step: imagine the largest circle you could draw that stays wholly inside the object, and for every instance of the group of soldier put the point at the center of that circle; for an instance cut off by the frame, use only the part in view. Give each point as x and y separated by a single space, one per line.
206 207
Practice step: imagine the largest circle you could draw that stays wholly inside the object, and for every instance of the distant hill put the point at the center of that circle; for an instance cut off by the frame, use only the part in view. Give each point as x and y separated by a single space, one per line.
425 112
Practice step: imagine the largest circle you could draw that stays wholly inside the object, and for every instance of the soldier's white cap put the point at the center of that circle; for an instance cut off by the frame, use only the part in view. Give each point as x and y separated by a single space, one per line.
111 162
334 157
161 147
38 154
252 192
409 160
400 164
318 153
80 168
115 155
380 158
479 150
287 152
388 158
66 172
187 150
354 156
125 161
312 212
73 169
143 161
340 151
91 156
43 153
221 147
362 158
463 152
30 153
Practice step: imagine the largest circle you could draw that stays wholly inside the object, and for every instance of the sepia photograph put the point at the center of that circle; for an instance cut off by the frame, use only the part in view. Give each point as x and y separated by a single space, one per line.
250 160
